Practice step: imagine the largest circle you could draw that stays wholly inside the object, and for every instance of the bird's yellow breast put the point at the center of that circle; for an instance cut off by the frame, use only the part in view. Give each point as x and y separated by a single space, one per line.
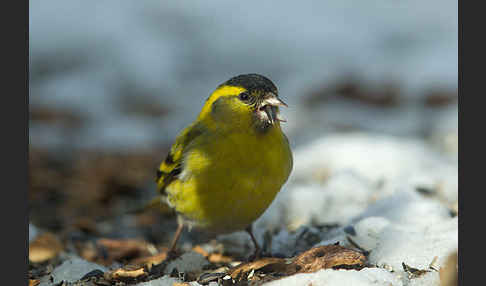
227 184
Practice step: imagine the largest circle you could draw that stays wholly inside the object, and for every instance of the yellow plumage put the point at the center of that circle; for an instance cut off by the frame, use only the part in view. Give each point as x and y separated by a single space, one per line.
225 169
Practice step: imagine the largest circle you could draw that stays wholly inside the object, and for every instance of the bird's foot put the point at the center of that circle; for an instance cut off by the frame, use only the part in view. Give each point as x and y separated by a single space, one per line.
257 254
173 254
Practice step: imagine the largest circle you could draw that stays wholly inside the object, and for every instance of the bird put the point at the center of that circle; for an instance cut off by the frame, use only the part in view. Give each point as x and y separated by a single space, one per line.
225 168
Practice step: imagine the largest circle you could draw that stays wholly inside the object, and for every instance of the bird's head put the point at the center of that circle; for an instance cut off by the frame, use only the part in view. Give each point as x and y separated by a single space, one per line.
248 100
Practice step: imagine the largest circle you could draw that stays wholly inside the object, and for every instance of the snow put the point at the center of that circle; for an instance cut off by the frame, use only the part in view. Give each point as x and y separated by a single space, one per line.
71 270
33 232
392 196
187 262
162 281
365 277
336 177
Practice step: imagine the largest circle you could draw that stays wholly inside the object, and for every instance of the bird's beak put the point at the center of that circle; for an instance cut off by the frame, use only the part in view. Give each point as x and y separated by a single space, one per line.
273 100
270 106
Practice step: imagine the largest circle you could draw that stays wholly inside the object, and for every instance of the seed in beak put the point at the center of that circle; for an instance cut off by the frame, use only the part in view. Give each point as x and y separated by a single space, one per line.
270 113
270 106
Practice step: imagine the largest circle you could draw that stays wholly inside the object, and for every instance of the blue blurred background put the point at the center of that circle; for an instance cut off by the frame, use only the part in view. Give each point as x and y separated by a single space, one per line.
129 75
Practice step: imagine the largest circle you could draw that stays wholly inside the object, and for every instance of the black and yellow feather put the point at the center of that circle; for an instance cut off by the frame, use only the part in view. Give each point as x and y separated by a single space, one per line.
171 167
226 168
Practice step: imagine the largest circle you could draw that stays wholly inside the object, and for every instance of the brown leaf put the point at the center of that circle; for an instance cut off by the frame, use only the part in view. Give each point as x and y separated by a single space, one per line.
212 257
33 282
328 256
269 263
45 247
126 273
312 260
215 276
448 273
413 272
200 250
219 258
88 251
151 260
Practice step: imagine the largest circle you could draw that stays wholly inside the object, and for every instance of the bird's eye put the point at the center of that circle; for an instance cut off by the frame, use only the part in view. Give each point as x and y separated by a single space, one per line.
244 96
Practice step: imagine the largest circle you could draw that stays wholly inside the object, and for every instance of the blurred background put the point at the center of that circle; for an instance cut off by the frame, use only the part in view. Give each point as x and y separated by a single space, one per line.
113 82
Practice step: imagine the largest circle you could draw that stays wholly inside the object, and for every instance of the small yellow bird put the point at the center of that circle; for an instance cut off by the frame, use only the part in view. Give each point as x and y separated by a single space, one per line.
225 168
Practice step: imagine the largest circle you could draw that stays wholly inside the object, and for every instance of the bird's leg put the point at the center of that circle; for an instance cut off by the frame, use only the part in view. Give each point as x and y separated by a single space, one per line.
177 235
256 254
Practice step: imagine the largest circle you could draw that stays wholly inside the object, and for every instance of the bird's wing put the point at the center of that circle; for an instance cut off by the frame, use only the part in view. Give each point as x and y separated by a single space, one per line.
171 167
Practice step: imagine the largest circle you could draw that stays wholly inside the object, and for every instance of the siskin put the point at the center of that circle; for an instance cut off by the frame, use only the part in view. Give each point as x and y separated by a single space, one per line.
225 168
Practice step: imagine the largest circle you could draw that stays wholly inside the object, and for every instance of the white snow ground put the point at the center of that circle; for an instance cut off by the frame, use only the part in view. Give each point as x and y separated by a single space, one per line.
374 195
396 196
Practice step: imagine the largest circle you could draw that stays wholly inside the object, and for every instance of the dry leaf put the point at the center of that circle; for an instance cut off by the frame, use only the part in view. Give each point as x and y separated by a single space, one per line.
212 257
448 273
126 273
328 256
271 264
200 250
45 247
413 272
206 278
151 260
312 260
219 258
88 251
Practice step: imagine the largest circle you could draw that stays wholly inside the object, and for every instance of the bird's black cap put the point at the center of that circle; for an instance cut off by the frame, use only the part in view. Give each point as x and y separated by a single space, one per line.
252 82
